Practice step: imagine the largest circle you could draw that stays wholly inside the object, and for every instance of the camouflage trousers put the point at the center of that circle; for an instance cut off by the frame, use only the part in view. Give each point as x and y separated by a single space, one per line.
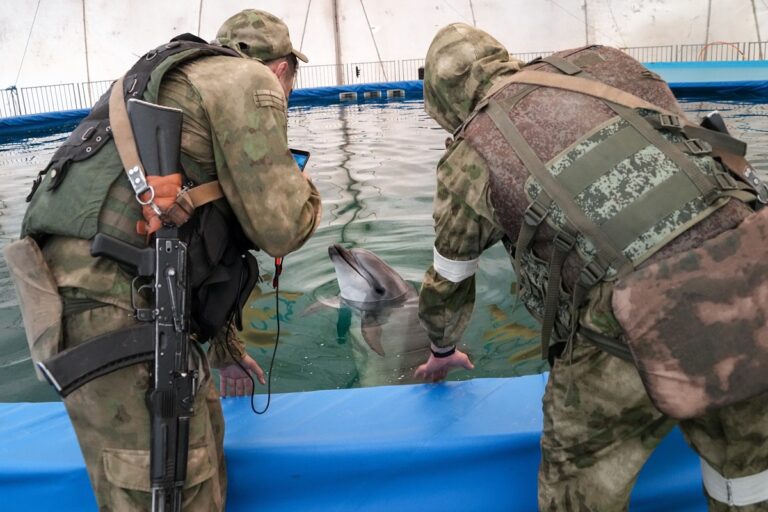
600 427
111 420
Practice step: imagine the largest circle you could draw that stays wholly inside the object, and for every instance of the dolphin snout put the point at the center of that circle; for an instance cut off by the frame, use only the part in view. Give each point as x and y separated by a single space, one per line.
335 250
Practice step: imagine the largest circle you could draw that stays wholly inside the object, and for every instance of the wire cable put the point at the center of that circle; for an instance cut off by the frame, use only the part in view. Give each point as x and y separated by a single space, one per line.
304 30
370 29
29 36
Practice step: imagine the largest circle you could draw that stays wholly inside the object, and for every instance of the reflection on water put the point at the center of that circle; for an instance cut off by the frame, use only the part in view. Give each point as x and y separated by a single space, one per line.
374 166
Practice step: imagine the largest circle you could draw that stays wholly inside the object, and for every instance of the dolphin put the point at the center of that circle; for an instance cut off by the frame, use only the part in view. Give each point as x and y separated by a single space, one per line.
393 341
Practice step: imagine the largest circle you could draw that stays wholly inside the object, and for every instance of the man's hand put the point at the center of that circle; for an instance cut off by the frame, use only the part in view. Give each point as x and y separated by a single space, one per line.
436 368
235 382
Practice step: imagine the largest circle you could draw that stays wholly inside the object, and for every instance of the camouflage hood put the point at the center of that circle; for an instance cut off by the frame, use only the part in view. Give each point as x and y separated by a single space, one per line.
462 63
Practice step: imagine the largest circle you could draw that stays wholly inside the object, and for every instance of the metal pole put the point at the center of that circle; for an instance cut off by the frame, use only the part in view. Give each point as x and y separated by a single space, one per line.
87 63
337 43
757 29
199 18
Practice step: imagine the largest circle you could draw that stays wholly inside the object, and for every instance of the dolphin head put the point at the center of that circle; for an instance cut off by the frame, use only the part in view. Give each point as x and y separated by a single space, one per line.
364 278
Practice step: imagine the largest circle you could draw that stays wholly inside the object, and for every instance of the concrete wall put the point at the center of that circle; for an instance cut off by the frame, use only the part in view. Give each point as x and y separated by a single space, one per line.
61 41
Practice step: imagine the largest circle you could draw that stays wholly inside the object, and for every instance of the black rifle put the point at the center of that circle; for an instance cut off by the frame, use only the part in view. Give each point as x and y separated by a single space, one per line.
157 131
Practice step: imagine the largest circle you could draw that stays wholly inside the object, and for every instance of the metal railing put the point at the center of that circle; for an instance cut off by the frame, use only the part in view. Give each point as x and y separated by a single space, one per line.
51 98
714 51
358 73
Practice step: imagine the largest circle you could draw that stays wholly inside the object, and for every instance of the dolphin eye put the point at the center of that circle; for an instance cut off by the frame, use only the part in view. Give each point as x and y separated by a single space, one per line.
379 290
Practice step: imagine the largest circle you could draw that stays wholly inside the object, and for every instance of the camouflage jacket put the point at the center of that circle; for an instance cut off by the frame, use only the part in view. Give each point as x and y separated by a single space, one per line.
235 130
464 228
463 64
460 68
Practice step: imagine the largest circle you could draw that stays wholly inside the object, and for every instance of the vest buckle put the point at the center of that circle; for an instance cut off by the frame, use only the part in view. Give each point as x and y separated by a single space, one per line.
592 273
564 240
535 213
697 147
669 122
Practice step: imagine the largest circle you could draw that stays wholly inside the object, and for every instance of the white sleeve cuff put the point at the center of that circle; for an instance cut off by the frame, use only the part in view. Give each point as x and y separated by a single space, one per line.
452 270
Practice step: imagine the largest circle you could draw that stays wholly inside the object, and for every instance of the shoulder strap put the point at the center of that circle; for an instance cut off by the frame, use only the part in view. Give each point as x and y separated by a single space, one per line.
124 140
584 86
126 147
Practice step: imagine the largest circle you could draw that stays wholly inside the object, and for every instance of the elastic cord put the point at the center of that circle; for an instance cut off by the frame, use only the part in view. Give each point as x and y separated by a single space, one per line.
274 351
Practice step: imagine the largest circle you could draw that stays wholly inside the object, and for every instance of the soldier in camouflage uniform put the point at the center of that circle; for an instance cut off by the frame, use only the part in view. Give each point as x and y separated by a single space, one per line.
234 130
599 423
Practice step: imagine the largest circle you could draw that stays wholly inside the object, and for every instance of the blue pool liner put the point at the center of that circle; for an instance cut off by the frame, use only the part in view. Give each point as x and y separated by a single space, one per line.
457 446
726 80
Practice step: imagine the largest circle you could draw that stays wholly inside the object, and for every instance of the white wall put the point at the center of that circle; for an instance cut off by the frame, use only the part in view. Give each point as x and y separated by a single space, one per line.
115 33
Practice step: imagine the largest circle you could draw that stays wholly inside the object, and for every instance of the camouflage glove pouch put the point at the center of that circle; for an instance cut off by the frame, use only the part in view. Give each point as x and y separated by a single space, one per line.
41 304
697 323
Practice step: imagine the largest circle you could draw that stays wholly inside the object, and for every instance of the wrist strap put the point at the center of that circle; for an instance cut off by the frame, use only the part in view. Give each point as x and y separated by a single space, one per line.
447 353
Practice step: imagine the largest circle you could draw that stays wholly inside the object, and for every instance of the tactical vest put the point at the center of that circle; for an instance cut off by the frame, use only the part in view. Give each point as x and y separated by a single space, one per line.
84 190
593 171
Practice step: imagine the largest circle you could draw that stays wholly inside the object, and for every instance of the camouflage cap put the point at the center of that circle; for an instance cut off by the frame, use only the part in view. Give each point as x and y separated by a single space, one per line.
257 35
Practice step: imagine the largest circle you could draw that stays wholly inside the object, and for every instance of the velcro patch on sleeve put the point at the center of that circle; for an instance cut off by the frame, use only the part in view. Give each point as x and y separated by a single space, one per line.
270 98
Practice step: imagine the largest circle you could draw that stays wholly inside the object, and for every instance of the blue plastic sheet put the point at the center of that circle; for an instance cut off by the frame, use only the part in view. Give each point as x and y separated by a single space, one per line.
24 126
715 80
747 80
457 446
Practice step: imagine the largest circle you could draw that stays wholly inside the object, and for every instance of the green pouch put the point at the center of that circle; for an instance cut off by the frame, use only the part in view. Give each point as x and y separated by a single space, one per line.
41 304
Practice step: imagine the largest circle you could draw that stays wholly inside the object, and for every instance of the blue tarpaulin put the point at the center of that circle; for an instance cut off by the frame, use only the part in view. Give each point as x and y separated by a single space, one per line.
457 446
712 80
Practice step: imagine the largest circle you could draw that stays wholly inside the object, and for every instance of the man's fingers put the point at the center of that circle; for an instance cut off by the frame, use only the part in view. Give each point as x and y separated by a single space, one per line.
260 375
439 375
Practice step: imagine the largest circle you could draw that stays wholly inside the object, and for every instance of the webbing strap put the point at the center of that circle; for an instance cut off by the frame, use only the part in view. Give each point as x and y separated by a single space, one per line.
601 159
707 188
563 65
584 86
122 131
510 102
557 192
532 219
562 245
202 194
717 140
75 305
606 343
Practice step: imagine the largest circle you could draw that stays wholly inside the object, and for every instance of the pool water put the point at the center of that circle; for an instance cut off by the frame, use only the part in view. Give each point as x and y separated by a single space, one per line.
374 166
